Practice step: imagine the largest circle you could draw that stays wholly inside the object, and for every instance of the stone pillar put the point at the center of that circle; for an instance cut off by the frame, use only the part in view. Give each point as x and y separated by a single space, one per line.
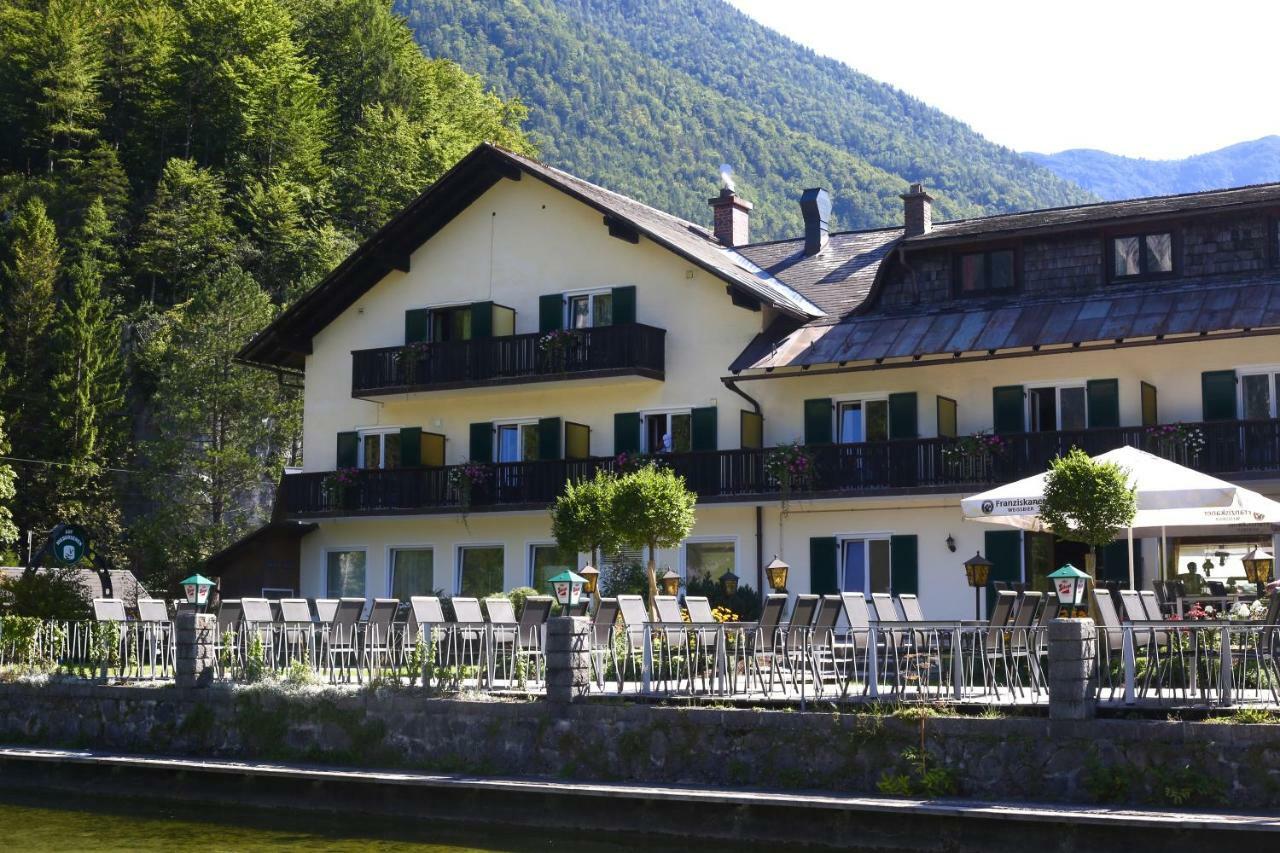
568 655
1073 653
195 664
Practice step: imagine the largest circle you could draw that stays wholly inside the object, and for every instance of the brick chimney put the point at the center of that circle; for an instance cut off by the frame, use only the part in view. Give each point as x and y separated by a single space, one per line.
731 215
917 211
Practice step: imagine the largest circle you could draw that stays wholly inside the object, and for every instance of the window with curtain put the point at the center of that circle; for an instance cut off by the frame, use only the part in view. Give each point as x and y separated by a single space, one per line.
480 571
866 566
546 561
344 574
709 559
862 420
984 272
1142 254
412 572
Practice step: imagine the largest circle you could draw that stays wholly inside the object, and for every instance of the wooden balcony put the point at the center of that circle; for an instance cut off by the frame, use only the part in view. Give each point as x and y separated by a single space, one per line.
1231 449
631 349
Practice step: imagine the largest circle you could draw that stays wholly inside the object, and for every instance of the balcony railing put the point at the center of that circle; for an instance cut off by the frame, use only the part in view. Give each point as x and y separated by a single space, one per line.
1235 448
627 349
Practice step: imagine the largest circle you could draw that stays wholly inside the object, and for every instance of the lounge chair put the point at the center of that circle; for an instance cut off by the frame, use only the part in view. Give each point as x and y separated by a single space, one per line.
341 641
634 619
531 637
378 644
109 610
799 636
990 650
325 610
764 643
823 640
227 648
602 634
297 639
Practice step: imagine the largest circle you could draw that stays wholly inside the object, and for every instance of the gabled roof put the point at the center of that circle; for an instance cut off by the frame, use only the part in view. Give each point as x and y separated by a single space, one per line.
286 341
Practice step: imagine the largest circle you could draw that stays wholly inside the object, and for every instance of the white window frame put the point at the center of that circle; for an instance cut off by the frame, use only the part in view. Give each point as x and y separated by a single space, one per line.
457 561
684 551
877 535
591 294
510 422
390 561
529 545
338 549
1272 370
431 324
1057 385
382 432
861 399
645 414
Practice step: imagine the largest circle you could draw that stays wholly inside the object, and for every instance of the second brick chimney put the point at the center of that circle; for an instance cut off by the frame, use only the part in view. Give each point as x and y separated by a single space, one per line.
917 211
731 215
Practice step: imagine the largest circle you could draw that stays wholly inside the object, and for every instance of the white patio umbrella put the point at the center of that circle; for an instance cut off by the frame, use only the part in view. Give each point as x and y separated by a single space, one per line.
1168 495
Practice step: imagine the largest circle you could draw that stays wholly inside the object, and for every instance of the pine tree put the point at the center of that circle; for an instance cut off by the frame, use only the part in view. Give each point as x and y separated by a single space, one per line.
67 68
186 234
227 428
29 280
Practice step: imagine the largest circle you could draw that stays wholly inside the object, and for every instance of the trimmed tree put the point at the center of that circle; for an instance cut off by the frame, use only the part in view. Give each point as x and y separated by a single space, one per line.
582 517
1087 501
652 508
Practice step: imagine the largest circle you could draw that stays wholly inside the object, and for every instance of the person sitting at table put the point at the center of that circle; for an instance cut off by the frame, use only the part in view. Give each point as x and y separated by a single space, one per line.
1191 580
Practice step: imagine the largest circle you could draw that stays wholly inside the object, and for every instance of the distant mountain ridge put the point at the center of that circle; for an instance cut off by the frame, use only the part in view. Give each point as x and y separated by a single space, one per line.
649 97
1112 176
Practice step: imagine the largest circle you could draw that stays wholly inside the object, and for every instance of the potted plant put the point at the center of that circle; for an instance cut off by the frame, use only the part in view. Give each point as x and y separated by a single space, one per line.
970 457
340 487
555 346
1181 443
1087 501
652 508
464 479
791 467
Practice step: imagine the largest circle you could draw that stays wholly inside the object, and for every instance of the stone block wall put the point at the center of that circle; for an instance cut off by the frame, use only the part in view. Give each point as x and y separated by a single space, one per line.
1110 760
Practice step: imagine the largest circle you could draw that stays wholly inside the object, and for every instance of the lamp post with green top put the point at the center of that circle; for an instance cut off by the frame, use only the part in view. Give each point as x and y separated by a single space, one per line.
1070 583
567 588
196 589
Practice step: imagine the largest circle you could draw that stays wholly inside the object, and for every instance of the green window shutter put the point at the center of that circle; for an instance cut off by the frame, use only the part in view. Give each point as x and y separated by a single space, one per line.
549 438
348 449
704 429
1103 402
904 565
904 416
817 421
626 432
822 565
624 304
1007 409
550 312
1004 550
1218 390
482 442
416 323
481 320
410 447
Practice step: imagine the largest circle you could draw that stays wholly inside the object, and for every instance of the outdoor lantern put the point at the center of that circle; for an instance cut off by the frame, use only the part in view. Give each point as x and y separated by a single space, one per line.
670 583
1258 564
951 543
777 572
976 570
591 577
1070 584
196 589
729 583
567 587
1207 565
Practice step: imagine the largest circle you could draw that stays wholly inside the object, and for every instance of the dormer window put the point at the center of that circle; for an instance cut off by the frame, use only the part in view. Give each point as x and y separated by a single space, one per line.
985 272
1139 255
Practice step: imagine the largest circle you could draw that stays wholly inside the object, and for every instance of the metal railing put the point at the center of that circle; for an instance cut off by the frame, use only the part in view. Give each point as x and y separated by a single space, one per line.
624 348
1189 663
1223 447
122 650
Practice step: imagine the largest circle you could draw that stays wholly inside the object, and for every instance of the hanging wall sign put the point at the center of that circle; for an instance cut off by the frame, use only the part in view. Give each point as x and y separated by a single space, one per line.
70 544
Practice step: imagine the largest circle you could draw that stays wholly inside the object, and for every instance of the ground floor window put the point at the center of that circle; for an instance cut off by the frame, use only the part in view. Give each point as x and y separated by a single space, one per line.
709 560
344 574
865 565
480 570
412 572
546 561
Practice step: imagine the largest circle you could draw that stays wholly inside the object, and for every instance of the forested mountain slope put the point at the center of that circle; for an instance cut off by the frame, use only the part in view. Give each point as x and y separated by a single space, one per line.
1114 177
648 97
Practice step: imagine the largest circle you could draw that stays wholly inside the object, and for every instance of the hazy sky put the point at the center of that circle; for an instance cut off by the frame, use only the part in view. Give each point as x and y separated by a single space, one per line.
1134 77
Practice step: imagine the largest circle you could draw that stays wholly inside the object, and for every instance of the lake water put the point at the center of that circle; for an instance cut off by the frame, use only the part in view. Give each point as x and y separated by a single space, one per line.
135 827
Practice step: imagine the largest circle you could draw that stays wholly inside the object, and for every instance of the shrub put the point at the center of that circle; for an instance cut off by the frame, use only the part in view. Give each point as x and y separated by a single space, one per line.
744 602
54 593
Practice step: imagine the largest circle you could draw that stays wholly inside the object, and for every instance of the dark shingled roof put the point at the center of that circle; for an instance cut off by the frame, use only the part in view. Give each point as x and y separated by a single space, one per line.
124 585
1100 213
1202 305
838 278
287 339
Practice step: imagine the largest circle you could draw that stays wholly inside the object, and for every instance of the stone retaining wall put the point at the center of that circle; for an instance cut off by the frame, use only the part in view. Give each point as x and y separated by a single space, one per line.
1155 762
